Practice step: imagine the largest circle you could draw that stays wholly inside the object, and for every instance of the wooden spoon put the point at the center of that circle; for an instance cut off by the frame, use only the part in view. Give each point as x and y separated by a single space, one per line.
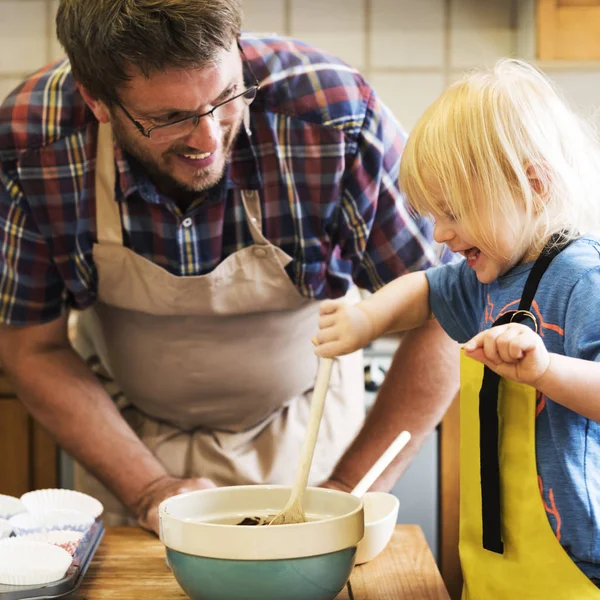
293 511
381 464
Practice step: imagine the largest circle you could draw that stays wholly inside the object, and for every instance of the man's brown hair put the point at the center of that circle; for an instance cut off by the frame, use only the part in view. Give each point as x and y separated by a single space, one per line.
105 39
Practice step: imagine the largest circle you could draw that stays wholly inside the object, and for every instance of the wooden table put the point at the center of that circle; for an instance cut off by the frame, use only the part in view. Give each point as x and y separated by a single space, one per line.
130 563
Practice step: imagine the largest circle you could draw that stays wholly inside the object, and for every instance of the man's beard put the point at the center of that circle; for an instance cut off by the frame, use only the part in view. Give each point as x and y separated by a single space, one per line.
166 183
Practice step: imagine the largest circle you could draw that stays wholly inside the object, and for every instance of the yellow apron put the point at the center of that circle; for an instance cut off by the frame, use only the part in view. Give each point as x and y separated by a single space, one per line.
525 560
534 564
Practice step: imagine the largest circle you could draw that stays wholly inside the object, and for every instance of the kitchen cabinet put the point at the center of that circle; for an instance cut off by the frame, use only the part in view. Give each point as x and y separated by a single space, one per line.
28 456
449 561
568 30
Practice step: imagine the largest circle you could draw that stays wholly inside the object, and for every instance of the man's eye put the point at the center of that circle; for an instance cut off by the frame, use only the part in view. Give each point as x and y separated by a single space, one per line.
168 118
228 93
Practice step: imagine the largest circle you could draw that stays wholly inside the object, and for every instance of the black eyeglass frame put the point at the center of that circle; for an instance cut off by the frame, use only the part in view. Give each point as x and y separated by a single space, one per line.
147 132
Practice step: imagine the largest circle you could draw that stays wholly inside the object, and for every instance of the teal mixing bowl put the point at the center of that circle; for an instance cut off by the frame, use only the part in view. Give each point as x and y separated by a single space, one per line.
213 558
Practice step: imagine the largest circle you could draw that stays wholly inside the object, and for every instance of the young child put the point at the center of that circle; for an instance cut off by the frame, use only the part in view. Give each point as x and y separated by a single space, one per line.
512 179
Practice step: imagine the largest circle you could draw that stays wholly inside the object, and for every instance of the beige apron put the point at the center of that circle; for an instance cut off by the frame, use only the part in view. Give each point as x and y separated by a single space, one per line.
213 372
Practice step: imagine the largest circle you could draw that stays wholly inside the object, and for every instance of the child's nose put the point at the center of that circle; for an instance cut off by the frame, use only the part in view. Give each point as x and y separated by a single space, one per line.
442 233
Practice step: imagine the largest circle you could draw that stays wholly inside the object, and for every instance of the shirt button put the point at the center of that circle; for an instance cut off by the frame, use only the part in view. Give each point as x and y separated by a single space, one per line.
260 252
187 222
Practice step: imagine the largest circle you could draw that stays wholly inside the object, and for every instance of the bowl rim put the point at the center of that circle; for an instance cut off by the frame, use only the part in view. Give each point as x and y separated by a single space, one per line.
381 519
162 507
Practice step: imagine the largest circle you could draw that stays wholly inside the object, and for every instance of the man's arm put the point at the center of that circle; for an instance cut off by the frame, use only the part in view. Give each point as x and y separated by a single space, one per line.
61 392
419 387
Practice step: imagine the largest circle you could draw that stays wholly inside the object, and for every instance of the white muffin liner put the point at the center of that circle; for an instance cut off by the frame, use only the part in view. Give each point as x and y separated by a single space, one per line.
10 506
59 499
67 540
5 529
52 520
25 562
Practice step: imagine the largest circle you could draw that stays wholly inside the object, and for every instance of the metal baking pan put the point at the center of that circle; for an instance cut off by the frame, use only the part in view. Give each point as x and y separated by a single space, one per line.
70 582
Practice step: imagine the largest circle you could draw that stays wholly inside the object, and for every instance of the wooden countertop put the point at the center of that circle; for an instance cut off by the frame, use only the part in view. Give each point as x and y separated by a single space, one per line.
130 563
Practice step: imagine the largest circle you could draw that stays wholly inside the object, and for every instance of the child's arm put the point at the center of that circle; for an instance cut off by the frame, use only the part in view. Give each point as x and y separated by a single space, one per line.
516 352
400 305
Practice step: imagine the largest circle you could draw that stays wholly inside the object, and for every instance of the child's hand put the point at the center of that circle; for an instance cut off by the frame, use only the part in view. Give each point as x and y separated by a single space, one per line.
342 329
513 351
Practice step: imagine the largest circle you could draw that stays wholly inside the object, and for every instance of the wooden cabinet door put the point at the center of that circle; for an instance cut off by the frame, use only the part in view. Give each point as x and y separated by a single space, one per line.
28 456
449 500
568 29
15 458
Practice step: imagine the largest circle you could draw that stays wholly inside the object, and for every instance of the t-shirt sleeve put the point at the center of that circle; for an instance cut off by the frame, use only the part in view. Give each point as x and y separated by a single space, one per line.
456 299
31 288
582 318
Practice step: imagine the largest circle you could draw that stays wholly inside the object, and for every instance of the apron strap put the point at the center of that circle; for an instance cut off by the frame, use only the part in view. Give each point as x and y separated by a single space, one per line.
108 214
251 202
488 405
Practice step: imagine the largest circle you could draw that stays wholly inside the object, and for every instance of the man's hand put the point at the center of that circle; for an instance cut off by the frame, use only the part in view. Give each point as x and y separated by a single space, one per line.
343 329
146 509
513 351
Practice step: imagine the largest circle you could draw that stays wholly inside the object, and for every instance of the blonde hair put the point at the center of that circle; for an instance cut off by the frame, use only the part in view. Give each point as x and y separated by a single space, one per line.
474 153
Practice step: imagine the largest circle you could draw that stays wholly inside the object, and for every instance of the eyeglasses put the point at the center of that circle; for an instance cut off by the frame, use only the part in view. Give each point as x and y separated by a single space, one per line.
221 112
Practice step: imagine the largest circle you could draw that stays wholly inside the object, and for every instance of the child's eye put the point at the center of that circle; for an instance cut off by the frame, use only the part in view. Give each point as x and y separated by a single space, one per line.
447 215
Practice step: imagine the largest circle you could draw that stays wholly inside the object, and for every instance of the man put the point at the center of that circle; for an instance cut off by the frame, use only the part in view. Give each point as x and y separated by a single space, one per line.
194 193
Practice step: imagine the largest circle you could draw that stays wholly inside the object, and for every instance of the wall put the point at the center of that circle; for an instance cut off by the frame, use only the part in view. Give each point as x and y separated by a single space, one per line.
409 50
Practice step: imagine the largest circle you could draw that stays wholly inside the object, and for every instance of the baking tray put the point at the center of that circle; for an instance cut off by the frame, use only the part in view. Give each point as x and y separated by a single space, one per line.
70 582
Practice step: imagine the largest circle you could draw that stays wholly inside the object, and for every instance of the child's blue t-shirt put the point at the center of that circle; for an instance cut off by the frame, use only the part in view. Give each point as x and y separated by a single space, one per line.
567 307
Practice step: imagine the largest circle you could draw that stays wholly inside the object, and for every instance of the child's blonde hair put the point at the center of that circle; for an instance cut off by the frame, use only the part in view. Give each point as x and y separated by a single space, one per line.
475 151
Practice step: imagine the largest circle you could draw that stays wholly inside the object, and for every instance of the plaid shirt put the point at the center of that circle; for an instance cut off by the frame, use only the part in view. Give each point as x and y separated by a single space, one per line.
323 153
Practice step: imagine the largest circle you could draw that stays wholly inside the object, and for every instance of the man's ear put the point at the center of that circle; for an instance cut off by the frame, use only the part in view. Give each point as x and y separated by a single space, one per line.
98 107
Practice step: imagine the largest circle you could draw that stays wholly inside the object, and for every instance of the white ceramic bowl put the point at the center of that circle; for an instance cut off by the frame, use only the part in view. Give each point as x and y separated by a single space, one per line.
224 561
381 512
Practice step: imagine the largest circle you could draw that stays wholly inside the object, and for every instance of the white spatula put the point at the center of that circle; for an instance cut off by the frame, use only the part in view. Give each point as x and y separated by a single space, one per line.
381 464
293 511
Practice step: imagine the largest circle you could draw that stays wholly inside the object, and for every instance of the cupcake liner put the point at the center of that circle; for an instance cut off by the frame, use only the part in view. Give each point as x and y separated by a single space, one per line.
52 520
5 529
10 506
25 562
59 499
67 540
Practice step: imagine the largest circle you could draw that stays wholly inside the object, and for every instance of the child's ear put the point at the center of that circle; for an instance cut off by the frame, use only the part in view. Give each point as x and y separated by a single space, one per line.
539 180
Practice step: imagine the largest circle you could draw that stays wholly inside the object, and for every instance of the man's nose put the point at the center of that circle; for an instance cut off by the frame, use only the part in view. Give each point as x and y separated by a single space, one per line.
205 136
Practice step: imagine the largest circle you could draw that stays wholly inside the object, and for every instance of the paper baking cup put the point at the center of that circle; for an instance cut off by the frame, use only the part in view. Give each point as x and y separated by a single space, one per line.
52 520
52 499
67 540
25 562
10 506
5 529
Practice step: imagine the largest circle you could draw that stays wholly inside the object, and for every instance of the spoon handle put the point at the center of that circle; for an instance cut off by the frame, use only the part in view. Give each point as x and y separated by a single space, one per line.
312 428
381 464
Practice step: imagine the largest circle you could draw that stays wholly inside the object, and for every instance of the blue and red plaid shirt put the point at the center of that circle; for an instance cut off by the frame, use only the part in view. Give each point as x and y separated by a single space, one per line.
323 153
